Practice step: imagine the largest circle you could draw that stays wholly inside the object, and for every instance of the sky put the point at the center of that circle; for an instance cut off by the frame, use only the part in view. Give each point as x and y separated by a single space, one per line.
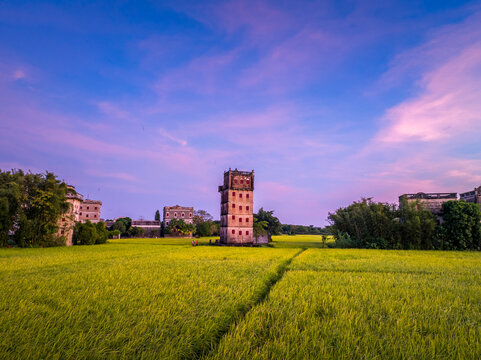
145 104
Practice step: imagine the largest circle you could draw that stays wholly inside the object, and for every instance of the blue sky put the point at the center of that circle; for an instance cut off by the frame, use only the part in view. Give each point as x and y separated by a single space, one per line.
145 104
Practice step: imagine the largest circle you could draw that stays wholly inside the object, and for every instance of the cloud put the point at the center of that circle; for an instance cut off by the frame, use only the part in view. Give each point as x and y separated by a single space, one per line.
448 105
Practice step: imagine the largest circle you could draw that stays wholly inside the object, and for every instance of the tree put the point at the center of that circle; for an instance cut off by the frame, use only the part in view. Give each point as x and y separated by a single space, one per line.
122 224
274 226
85 233
259 227
102 233
201 216
179 227
461 227
136 231
157 215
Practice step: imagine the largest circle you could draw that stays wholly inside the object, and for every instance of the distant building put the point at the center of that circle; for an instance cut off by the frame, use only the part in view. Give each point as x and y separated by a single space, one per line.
236 207
90 210
178 212
472 196
67 221
433 201
151 227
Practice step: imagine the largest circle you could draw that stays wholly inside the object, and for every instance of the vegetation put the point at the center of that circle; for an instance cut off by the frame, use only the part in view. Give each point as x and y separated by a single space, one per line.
90 234
366 304
30 207
157 215
163 298
204 225
304 230
367 224
178 227
274 226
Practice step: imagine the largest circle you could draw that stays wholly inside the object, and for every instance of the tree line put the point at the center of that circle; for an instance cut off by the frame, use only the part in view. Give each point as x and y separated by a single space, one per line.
369 224
30 208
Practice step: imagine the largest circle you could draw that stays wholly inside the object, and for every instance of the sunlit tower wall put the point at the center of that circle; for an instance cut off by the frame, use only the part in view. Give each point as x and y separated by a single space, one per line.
236 207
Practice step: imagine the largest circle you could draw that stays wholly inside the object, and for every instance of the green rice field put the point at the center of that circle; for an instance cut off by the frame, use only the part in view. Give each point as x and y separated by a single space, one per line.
293 299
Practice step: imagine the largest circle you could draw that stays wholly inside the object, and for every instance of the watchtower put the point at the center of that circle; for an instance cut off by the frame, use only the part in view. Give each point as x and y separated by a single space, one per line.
236 207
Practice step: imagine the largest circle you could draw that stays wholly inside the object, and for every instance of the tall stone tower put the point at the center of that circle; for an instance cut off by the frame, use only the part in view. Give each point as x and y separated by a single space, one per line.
236 213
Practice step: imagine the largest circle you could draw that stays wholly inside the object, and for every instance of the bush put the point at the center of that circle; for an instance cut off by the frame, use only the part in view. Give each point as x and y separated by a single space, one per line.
90 234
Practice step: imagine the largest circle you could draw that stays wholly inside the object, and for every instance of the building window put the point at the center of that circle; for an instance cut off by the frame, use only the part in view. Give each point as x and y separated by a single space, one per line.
247 219
167 214
240 195
190 214
183 214
247 195
95 215
233 232
240 207
62 232
233 193
88 207
87 215
247 208
233 217
247 233
81 207
247 182
166 223
242 181
80 213
235 181
233 206
63 219
240 220
96 208
240 232
175 214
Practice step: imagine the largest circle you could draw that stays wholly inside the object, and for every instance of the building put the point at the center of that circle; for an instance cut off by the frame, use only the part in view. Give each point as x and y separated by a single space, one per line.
178 212
151 227
67 221
236 207
472 196
433 201
90 210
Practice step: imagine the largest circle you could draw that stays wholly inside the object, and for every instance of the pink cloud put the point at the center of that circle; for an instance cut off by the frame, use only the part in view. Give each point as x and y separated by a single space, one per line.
448 105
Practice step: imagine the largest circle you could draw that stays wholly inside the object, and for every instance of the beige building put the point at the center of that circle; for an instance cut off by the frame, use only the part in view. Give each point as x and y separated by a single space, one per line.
151 227
472 196
433 201
67 220
90 210
236 209
178 212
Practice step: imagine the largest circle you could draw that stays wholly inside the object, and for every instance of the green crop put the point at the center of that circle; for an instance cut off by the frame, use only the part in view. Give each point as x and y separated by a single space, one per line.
163 298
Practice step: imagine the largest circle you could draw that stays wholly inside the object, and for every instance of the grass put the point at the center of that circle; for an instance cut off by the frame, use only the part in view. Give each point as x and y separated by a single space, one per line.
163 298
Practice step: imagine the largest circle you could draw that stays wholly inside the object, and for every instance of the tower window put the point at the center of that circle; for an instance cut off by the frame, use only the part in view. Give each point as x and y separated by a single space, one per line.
240 220
167 214
233 232
247 196
240 195
247 208
233 217
240 232
247 182
87 215
183 214
240 207
235 181
190 214
233 193
175 214
233 206
88 207
242 181
247 233
247 219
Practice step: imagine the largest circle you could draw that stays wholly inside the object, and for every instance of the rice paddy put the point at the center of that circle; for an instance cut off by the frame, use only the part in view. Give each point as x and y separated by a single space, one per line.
163 298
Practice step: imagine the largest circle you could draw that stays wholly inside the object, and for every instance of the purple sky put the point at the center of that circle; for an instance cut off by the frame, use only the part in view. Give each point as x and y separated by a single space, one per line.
145 105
